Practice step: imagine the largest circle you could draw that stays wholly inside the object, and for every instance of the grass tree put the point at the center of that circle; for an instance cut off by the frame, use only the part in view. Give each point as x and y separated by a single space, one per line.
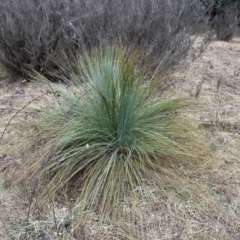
109 134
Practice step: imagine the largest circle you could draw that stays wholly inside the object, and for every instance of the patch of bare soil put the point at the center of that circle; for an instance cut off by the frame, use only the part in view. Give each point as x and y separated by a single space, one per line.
213 85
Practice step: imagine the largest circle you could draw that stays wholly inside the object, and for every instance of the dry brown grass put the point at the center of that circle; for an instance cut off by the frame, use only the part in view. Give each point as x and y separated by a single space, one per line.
209 208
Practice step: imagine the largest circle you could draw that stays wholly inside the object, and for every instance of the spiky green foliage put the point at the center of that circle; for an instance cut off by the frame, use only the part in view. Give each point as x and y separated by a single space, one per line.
109 134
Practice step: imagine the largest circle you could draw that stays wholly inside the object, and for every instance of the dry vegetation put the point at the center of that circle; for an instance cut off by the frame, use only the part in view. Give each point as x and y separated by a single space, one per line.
209 207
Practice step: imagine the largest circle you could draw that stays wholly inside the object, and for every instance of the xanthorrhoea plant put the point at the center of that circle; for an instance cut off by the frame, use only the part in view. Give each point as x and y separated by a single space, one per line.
109 133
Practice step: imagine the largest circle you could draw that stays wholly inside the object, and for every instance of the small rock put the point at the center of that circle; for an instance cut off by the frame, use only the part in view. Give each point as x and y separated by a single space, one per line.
20 91
3 156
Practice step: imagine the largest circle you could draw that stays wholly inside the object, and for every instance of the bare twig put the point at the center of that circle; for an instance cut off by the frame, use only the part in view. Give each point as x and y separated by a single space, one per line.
54 214
33 192
19 111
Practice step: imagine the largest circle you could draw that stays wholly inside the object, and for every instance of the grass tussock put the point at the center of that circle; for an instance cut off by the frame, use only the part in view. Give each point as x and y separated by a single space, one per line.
108 135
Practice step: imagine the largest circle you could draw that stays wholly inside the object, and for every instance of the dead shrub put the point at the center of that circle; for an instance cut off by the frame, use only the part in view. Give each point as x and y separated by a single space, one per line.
226 22
33 32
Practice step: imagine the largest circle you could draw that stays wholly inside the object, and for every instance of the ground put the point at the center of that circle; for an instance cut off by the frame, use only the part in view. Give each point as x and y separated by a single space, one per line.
212 83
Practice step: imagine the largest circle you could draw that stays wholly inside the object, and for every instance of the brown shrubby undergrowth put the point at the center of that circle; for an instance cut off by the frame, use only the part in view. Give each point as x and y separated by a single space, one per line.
226 23
33 32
